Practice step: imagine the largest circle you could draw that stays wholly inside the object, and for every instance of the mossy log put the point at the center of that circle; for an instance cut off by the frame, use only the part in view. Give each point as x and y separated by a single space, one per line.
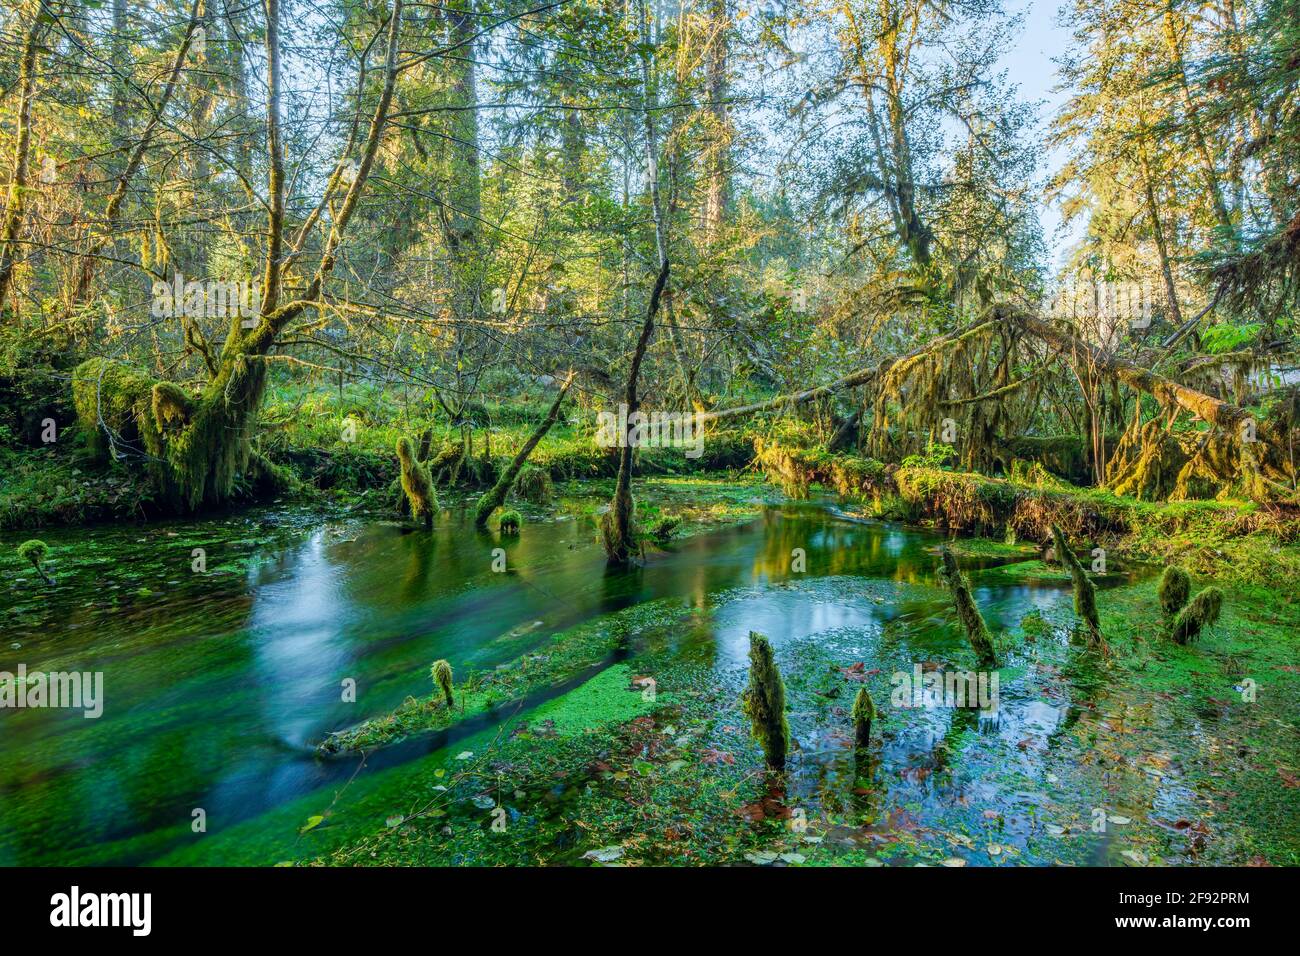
496 496
1201 612
972 621
764 703
1175 588
1085 593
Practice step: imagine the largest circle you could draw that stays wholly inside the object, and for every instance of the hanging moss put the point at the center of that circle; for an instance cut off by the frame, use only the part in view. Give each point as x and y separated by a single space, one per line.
534 485
416 483
1085 593
864 712
977 631
1175 586
764 703
36 551
511 521
1201 612
441 674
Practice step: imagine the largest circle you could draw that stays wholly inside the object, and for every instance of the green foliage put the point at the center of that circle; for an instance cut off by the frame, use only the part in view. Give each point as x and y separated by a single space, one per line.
936 455
665 528
34 551
511 521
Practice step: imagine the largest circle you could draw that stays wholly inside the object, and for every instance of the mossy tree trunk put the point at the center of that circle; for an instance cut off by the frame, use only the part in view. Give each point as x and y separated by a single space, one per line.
1085 593
496 496
972 621
203 452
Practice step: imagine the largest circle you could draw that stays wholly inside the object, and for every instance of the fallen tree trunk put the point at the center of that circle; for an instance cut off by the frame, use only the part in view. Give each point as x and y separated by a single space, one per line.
496 496
861 377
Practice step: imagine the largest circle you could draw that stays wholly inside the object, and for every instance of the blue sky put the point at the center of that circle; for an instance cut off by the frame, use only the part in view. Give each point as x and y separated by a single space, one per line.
1030 64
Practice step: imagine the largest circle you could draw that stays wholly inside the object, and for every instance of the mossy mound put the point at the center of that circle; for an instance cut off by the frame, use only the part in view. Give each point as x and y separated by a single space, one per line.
1201 612
1175 587
511 522
534 485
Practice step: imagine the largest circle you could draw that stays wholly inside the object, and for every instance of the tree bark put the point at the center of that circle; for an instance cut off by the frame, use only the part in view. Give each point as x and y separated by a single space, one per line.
496 496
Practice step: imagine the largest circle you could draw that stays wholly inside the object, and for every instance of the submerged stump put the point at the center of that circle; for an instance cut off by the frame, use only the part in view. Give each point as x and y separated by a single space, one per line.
864 712
1175 587
1085 592
1201 612
977 631
764 703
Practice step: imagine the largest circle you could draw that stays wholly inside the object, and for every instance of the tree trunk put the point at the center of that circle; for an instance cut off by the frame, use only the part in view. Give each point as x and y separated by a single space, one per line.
496 497
14 202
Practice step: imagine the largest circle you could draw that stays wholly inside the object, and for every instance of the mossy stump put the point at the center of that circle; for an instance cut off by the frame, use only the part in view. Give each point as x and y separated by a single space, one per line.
416 483
1175 588
1085 593
441 674
511 522
864 712
764 703
1201 612
977 631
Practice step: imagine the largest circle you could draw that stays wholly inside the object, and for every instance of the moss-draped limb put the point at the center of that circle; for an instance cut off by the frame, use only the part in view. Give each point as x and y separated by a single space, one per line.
1085 593
972 621
764 703
496 496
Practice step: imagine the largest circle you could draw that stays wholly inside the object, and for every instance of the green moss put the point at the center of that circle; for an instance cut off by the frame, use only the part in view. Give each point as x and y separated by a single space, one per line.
534 485
1201 612
864 712
764 703
665 528
1175 586
511 521
416 483
971 619
442 677
1085 592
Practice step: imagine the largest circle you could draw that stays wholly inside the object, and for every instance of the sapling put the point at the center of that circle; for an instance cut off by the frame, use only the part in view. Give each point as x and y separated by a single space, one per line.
764 703
977 631
1175 587
441 674
36 552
